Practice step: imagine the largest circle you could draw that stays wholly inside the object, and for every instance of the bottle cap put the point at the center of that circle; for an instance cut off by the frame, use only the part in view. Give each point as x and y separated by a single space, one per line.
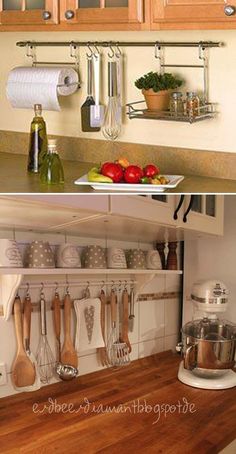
52 142
38 109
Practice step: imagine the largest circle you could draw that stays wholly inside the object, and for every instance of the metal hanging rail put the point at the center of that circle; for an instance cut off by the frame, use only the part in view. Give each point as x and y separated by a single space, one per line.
204 44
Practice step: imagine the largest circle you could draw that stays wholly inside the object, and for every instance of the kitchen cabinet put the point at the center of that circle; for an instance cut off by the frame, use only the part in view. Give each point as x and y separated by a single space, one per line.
153 208
206 215
29 12
193 14
107 13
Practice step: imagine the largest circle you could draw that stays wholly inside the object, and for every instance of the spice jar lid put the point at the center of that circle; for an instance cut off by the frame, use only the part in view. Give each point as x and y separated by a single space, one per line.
177 95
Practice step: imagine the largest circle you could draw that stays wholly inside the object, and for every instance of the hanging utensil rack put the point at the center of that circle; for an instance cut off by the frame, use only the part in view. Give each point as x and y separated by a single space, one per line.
136 109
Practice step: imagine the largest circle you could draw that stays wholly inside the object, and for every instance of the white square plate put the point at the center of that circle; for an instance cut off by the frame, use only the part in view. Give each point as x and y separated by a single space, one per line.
174 180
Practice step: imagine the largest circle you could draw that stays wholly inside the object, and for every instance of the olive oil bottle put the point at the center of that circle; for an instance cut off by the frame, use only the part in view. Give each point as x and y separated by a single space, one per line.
51 171
38 141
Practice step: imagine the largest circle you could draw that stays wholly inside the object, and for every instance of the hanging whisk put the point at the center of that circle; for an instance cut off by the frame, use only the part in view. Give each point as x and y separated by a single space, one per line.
112 120
45 358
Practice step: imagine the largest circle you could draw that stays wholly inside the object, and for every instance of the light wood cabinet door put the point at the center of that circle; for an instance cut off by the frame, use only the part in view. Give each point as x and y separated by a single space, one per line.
89 14
29 12
192 14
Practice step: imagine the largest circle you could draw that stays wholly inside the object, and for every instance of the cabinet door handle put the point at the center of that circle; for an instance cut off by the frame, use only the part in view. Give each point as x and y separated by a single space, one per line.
185 218
69 14
178 207
229 10
46 15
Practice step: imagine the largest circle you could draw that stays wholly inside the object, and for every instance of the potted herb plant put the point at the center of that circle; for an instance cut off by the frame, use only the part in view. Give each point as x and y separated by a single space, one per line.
157 88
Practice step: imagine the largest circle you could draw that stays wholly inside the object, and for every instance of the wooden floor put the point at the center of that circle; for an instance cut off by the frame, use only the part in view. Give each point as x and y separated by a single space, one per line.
28 426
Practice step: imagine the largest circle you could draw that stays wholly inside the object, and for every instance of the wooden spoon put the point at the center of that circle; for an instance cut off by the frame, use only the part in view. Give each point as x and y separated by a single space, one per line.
68 354
23 371
125 321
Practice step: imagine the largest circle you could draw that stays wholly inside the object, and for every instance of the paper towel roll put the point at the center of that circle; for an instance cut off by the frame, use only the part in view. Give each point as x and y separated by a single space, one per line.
27 86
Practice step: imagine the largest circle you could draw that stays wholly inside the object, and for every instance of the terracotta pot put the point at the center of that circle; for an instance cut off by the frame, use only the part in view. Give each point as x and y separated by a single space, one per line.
157 101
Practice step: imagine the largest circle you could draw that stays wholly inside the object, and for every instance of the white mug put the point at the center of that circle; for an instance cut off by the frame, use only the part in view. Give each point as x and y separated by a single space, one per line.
67 256
10 254
153 260
116 258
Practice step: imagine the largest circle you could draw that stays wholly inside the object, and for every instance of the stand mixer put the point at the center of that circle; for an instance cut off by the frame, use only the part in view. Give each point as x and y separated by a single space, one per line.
208 342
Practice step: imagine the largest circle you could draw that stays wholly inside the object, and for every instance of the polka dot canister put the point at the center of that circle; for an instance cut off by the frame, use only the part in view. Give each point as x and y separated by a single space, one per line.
39 255
94 257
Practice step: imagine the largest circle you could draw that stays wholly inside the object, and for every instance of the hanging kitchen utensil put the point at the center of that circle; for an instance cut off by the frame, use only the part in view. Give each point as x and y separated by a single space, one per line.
97 110
125 319
85 109
27 307
131 310
112 120
64 371
56 306
68 354
102 351
23 371
45 359
117 351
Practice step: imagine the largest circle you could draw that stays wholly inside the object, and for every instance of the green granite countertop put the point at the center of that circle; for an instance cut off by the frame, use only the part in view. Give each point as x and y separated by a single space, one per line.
15 179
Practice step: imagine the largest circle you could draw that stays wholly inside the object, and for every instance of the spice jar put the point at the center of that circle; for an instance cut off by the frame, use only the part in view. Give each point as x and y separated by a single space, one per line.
176 103
192 104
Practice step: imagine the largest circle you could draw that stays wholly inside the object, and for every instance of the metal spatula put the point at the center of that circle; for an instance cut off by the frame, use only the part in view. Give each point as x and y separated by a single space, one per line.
97 110
85 108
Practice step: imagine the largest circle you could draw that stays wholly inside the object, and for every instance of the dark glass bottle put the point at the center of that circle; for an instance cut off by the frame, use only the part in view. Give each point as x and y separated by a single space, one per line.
51 171
38 141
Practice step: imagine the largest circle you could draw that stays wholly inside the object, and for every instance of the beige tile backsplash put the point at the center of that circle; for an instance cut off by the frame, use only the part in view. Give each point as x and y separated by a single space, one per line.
171 160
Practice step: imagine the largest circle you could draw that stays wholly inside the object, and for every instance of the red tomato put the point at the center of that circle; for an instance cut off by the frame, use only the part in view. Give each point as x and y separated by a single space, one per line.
113 171
150 171
133 174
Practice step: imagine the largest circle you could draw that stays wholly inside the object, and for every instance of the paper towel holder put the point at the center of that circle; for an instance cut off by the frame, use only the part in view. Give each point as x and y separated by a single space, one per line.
74 54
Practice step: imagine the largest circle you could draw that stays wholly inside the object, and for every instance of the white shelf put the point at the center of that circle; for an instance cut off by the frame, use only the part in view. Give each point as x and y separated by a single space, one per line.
83 271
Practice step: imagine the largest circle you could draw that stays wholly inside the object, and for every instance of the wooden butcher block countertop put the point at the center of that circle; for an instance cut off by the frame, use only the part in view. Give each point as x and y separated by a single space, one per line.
206 423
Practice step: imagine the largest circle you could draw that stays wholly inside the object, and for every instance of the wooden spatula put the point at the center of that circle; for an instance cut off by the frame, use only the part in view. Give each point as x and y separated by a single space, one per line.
102 351
23 371
68 354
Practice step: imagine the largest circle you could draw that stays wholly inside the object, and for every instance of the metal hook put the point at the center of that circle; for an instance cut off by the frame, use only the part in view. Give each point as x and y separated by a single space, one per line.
201 51
158 50
118 51
113 288
125 285
97 50
41 289
158 54
89 46
31 52
27 290
132 285
120 284
112 55
73 50
103 285
67 285
56 288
